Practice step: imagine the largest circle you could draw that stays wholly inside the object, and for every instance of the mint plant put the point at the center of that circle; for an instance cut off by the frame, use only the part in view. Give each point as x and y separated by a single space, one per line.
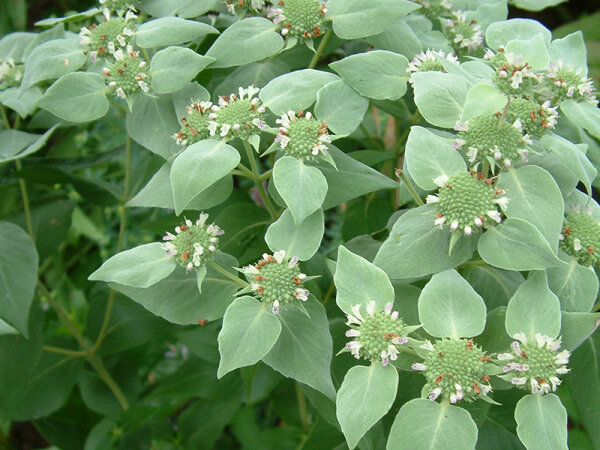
299 224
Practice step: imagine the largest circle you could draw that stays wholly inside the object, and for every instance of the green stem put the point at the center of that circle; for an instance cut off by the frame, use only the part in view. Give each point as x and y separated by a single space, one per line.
256 175
62 351
371 139
318 53
87 350
228 274
302 409
5 118
265 176
413 192
328 293
503 116
25 197
247 172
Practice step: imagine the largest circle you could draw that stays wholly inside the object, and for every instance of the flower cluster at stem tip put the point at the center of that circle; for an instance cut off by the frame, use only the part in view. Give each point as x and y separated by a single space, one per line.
580 236
237 115
301 136
118 5
195 124
235 6
110 36
430 61
10 73
535 365
378 336
455 369
194 243
466 200
464 33
566 83
513 76
277 280
303 19
128 74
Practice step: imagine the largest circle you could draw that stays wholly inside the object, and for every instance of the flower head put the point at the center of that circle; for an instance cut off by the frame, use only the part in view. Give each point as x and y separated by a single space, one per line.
194 242
429 61
241 6
303 19
454 369
105 39
513 76
535 119
10 73
118 5
128 75
378 335
536 365
301 136
566 83
276 279
239 115
581 236
463 33
435 8
195 124
466 202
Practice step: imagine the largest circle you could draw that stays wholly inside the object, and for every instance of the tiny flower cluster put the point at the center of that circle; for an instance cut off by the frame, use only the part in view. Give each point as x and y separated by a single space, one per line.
465 201
581 236
301 136
195 124
429 61
194 243
378 336
303 19
110 36
465 34
536 119
566 83
454 369
237 115
117 5
128 74
513 76
10 73
277 280
535 366
233 6
435 8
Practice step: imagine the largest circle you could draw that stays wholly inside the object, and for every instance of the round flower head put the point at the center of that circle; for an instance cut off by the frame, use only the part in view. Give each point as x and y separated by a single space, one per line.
535 366
303 19
10 73
378 336
491 140
513 75
105 39
301 136
118 5
534 118
429 61
454 369
433 9
241 6
277 280
463 33
466 201
581 236
195 124
194 243
237 115
565 83
128 74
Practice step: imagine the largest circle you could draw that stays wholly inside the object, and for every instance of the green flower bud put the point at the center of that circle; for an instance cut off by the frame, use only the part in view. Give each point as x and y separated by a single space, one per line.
128 74
465 201
534 118
303 19
105 39
454 369
10 73
301 136
237 115
378 336
464 33
535 366
277 280
581 236
194 243
195 124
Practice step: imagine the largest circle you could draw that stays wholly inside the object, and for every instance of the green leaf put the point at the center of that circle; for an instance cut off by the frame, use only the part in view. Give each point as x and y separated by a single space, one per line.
13 45
173 67
378 74
15 144
309 341
340 107
423 424
76 97
516 244
366 395
295 90
198 167
416 247
450 307
576 286
576 327
152 122
584 114
246 41
170 31
354 19
358 282
176 298
429 155
201 423
500 33
181 8
535 197
535 5
350 178
21 100
534 309
302 240
51 60
496 286
440 97
140 266
534 50
249 332
301 187
482 99
18 276
571 50
541 422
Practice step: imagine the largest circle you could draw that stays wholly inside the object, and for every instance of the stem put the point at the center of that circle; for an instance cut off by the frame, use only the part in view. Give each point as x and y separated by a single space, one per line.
228 274
503 116
328 293
25 197
318 53
302 407
372 140
410 187
87 350
247 173
62 351
256 176
265 176
5 117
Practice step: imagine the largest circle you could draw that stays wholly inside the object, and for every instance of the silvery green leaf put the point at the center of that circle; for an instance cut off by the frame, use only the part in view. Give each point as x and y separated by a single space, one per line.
301 240
542 422
440 97
500 33
173 67
340 107
167 31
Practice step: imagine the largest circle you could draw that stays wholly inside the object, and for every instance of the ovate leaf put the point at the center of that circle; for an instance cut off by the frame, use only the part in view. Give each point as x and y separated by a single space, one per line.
170 31
51 60
584 114
340 107
576 286
173 67
541 422
302 240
